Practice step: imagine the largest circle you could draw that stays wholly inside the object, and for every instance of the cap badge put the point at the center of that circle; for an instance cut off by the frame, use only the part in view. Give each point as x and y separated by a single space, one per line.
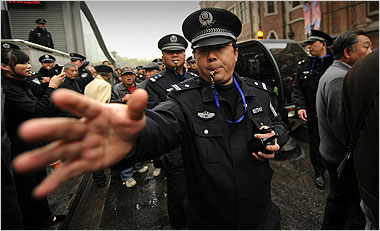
309 33
6 45
173 39
206 19
46 56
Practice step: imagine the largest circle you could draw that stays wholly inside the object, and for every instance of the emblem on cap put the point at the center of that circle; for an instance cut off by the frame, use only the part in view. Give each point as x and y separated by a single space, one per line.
173 39
206 19
46 56
6 45
309 33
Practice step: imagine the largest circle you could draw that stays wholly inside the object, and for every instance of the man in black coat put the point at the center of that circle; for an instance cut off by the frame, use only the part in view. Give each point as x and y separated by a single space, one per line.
84 75
40 35
305 86
218 119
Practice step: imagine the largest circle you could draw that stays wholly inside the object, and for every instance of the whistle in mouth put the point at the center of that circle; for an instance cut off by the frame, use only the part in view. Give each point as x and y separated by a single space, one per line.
212 73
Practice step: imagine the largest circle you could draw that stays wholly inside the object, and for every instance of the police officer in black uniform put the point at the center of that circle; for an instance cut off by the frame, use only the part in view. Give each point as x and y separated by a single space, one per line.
40 35
140 74
84 75
218 120
173 48
41 79
192 65
305 86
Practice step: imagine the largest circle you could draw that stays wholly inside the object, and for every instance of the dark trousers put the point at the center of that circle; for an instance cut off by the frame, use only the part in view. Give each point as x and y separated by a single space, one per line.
99 178
11 217
315 155
177 189
343 203
35 212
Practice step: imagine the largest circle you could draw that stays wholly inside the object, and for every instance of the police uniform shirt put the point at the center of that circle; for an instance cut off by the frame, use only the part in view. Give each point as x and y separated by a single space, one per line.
228 187
159 85
305 84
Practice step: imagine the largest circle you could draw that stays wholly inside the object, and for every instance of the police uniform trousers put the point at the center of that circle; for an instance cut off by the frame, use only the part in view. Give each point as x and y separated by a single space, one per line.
315 156
342 209
177 188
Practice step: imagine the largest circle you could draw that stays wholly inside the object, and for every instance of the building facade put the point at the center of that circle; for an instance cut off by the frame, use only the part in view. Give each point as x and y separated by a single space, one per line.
286 19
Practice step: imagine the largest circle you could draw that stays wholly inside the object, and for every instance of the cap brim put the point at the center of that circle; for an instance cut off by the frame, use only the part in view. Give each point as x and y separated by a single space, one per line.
212 41
127 72
173 48
47 61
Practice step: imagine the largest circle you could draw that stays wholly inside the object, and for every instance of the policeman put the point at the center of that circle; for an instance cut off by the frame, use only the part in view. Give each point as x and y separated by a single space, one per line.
173 48
192 64
41 79
305 86
40 35
84 75
140 74
218 120
150 70
159 62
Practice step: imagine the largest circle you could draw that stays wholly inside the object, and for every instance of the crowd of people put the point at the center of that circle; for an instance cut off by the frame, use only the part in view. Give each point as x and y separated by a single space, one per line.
208 129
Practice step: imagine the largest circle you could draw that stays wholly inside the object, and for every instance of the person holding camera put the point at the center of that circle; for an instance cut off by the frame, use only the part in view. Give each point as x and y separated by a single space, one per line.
214 118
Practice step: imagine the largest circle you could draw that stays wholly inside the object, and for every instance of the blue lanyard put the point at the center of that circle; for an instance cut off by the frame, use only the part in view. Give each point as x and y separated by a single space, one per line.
312 65
178 76
242 97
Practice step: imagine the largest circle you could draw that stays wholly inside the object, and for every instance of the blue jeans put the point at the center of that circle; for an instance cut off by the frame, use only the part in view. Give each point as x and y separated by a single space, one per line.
128 173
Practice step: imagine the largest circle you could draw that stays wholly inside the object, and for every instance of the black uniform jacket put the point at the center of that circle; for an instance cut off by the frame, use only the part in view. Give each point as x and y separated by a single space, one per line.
41 37
38 88
159 85
227 187
305 84
84 77
21 105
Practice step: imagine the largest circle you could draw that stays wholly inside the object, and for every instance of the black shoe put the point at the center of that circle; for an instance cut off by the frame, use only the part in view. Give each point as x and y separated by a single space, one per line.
319 181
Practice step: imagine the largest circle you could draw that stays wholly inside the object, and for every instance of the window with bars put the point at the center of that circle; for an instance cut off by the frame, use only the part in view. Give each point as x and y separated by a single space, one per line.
243 12
270 7
373 7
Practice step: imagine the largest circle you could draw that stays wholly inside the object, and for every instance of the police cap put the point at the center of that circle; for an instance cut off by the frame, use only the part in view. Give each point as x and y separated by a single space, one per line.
172 42
139 67
103 69
211 26
157 60
41 21
190 60
127 70
75 57
46 59
317 35
152 66
9 46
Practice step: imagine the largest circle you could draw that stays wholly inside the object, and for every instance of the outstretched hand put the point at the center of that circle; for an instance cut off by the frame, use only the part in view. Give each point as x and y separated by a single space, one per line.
101 138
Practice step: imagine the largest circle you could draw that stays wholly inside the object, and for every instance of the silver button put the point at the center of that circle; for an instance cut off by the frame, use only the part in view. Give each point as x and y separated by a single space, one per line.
187 85
205 131
256 83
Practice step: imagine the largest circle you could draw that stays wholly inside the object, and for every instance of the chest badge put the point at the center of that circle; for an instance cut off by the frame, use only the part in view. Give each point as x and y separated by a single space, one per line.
206 115
84 75
257 110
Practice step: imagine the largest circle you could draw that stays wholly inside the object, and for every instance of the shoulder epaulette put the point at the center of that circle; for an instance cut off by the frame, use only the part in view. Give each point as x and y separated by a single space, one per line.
256 83
192 74
155 77
186 85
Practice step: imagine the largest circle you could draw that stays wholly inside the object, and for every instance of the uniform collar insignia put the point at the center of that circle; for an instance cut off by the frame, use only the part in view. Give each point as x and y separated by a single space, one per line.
206 115
257 110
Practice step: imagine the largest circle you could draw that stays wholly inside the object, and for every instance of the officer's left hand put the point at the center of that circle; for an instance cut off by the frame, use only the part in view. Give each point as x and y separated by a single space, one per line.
263 156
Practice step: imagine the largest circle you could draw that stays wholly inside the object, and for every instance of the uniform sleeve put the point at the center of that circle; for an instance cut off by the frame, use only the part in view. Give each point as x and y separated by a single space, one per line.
154 96
279 126
162 132
32 37
51 41
298 93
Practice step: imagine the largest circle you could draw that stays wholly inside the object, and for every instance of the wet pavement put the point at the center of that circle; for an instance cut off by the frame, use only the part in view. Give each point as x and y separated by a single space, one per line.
144 206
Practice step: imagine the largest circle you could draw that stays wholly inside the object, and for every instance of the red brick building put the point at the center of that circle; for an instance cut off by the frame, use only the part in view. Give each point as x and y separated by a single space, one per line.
285 19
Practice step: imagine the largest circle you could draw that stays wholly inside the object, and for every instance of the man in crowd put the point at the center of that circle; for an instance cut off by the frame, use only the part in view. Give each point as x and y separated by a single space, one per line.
150 70
121 93
360 116
41 79
140 74
40 35
305 85
192 65
214 118
115 76
342 204
84 75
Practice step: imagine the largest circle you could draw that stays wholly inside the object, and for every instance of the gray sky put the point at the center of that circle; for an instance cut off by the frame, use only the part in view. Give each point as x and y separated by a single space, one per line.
133 28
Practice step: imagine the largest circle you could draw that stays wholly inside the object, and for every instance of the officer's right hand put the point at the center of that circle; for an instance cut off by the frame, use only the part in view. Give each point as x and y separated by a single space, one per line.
302 114
101 138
